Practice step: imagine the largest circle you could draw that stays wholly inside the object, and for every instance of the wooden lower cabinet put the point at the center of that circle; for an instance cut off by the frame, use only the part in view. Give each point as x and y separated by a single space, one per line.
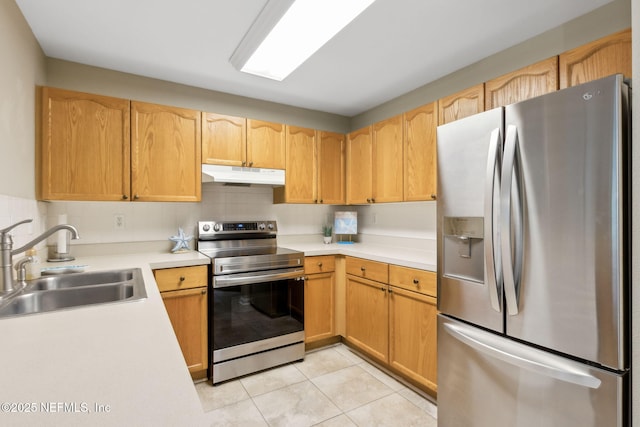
184 293
319 298
367 317
394 323
413 336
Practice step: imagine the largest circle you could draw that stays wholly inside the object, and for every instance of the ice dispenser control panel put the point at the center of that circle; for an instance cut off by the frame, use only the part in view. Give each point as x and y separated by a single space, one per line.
464 248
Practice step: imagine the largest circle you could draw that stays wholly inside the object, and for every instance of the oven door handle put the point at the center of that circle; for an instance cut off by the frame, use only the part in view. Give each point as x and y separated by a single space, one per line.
257 277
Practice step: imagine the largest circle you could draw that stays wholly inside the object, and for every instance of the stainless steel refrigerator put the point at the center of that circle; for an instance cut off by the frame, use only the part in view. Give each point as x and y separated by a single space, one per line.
533 255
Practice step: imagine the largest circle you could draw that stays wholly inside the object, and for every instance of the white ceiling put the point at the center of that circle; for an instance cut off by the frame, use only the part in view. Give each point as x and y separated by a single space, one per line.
392 48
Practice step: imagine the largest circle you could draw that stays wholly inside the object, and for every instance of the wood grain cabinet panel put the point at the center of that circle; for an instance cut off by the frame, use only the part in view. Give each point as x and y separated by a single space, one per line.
600 58
387 178
265 144
525 83
420 160
184 293
331 167
165 153
83 150
413 336
359 166
301 167
461 104
224 140
368 316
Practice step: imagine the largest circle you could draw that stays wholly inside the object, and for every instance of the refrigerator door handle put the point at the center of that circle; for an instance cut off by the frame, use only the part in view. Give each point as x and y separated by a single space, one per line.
492 263
511 221
522 357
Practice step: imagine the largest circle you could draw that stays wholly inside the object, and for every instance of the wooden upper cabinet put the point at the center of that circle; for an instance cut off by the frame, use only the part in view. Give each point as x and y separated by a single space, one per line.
525 83
224 140
359 166
420 162
331 167
387 160
83 147
165 153
601 58
461 104
301 172
265 144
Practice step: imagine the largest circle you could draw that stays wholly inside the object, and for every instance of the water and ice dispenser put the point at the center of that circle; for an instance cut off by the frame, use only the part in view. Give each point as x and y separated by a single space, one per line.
463 241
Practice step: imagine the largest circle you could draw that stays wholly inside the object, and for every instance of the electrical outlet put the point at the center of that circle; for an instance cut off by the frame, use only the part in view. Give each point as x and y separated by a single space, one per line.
118 222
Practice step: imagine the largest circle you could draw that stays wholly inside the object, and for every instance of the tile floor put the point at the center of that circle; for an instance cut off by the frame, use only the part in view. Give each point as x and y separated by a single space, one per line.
332 387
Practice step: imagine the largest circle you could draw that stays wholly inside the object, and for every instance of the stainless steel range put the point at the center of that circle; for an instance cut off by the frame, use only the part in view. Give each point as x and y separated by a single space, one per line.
256 306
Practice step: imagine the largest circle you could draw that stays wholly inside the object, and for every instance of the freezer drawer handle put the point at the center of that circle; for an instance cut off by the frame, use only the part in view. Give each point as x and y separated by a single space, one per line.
534 361
492 263
511 221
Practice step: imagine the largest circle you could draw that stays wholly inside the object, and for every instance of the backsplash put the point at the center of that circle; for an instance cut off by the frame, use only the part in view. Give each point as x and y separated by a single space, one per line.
156 221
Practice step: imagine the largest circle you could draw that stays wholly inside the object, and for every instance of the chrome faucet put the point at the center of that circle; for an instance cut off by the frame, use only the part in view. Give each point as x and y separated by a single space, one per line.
7 284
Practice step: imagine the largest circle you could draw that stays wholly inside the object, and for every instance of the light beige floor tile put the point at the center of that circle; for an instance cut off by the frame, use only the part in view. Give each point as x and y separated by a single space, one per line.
214 397
388 380
241 414
297 405
351 387
346 352
272 379
391 411
339 421
322 362
421 402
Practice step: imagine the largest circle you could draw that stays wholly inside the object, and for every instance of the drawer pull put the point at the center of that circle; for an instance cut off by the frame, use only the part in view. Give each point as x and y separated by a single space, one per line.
319 265
362 269
416 281
182 278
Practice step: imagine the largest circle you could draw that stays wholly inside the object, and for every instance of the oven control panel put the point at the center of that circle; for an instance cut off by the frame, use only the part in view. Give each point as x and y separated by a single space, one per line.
209 229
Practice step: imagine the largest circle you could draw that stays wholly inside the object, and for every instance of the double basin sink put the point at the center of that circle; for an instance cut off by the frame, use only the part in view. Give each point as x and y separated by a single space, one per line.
64 291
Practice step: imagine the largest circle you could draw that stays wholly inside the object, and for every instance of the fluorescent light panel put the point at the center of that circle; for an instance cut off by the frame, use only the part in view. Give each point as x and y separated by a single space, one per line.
303 29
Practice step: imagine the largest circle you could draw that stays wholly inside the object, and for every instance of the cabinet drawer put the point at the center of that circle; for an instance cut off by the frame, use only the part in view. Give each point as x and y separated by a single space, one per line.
171 279
373 270
319 264
413 279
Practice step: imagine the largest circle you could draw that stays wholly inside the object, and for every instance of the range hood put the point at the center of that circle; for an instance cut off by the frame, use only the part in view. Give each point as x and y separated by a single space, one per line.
242 176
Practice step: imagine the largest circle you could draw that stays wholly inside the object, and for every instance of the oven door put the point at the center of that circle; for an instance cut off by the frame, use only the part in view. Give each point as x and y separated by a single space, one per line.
257 311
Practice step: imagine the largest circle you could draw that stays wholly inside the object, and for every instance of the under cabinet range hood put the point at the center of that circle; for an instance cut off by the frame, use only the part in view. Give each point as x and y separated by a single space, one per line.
237 175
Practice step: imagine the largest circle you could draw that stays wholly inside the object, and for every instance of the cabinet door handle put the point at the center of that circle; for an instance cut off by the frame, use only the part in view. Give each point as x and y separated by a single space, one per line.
433 196
321 201
373 200
315 200
390 291
136 197
125 197
382 288
204 291
250 164
244 163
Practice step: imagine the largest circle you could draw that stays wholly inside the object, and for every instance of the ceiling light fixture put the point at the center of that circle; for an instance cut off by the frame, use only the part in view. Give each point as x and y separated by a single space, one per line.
287 33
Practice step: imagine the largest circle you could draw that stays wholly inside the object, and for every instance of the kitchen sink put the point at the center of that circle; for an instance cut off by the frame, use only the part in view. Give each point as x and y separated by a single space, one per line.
82 279
76 290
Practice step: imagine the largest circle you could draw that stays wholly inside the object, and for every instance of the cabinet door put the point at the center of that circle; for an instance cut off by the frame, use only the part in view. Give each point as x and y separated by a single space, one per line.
331 168
301 173
461 104
319 307
359 166
166 153
83 149
265 144
187 311
368 317
224 140
420 159
525 83
413 336
601 58
387 160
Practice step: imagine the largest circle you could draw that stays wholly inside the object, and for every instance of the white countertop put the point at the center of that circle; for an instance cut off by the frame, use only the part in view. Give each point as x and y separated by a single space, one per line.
64 366
61 365
415 258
